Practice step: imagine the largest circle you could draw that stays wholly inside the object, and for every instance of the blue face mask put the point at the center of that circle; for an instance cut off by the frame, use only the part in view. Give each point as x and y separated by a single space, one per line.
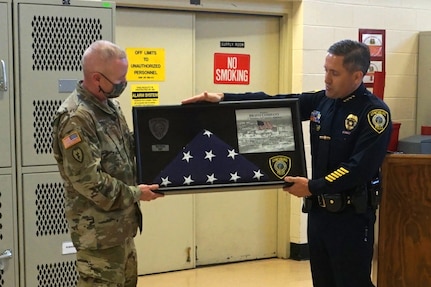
117 89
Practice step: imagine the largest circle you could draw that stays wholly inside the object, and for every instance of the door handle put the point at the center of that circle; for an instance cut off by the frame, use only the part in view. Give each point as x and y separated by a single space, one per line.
3 76
7 254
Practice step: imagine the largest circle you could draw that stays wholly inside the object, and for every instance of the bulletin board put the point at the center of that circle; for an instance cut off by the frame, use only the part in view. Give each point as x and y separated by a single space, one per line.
376 41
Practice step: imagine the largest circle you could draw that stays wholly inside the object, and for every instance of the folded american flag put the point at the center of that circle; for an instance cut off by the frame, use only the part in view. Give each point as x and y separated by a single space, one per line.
207 160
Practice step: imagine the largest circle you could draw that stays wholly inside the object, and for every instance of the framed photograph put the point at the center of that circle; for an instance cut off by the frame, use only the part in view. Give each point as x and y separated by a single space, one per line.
210 147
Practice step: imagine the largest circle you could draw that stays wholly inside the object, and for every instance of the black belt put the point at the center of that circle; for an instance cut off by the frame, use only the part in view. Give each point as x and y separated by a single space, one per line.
325 200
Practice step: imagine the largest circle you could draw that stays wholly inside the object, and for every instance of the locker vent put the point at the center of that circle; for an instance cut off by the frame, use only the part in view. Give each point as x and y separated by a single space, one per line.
50 217
57 274
59 42
44 112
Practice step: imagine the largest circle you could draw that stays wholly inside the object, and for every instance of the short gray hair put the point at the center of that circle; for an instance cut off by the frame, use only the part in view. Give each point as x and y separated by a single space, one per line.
100 53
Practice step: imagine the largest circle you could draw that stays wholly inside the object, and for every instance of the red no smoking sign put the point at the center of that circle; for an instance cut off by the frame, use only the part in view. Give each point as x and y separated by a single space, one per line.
231 69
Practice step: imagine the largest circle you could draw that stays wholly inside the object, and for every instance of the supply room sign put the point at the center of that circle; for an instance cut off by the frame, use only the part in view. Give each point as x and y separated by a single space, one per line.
231 69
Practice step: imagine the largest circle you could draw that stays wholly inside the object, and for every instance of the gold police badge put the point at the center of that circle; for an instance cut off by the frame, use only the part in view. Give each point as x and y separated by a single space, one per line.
378 119
350 122
280 165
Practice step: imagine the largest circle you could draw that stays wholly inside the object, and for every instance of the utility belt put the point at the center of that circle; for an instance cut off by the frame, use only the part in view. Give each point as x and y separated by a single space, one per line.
360 199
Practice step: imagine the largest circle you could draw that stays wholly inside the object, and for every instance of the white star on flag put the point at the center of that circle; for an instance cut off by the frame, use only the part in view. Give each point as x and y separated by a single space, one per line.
234 176
207 133
209 155
232 153
258 174
188 180
165 181
211 178
187 156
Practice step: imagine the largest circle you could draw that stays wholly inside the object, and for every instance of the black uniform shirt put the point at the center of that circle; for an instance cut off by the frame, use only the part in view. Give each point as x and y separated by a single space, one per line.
349 136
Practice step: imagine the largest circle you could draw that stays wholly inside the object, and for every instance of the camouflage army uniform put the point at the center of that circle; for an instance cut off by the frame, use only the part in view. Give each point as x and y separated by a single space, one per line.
94 151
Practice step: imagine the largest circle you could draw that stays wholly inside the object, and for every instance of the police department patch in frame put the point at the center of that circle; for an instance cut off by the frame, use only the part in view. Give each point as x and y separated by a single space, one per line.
158 127
378 119
280 165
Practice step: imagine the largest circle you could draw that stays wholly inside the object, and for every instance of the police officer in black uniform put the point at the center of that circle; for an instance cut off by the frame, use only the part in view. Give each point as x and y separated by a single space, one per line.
350 130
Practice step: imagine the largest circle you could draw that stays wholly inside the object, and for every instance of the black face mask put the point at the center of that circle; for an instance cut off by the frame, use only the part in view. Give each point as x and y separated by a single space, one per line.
117 89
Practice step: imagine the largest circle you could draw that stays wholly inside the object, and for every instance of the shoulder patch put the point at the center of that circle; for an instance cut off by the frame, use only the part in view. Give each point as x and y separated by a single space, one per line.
71 140
378 120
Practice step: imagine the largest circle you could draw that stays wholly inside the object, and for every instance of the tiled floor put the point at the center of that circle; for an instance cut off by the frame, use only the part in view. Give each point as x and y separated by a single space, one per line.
259 273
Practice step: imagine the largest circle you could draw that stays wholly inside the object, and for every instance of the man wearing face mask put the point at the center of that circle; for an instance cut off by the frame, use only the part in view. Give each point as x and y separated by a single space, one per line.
94 150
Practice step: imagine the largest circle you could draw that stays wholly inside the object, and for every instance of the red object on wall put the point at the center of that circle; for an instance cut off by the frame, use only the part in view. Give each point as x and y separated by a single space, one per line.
231 69
379 84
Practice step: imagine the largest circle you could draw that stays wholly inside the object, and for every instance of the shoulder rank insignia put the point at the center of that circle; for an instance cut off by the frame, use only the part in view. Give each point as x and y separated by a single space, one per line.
378 120
71 140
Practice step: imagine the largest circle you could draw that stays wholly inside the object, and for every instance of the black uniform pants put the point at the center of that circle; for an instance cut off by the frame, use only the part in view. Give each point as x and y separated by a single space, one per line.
341 247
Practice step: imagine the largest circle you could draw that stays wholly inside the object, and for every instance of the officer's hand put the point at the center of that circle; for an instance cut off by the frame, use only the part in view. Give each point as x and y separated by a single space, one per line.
147 192
297 186
204 97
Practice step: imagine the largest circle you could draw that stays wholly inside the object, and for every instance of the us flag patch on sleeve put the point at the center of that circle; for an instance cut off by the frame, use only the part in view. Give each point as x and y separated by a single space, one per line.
71 140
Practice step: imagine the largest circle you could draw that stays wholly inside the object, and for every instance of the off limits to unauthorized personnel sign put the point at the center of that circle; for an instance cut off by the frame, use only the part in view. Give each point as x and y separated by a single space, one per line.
231 69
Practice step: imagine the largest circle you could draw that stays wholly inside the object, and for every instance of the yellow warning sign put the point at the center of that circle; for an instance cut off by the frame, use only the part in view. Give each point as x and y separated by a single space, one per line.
145 95
146 64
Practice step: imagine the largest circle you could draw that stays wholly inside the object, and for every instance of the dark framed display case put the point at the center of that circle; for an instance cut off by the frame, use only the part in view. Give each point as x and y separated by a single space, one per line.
209 147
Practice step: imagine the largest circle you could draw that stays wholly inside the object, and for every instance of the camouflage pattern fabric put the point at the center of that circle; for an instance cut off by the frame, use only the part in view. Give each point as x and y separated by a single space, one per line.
94 151
112 267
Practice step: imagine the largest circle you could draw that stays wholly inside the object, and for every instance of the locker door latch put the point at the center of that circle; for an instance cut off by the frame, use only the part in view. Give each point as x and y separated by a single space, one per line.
7 254
3 77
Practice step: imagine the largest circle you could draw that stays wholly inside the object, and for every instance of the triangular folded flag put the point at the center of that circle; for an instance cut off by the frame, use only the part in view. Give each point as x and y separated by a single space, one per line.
207 160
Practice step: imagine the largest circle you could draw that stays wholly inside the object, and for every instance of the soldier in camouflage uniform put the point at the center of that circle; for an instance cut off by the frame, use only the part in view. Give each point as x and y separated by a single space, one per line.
94 151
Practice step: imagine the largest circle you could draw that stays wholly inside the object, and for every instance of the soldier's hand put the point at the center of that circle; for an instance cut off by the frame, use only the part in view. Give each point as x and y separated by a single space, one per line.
204 97
147 192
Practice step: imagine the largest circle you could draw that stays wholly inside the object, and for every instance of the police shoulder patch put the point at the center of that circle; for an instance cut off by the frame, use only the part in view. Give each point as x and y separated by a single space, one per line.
71 140
378 120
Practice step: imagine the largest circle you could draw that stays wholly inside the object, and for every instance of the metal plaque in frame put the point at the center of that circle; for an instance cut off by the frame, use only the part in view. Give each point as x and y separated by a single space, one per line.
208 147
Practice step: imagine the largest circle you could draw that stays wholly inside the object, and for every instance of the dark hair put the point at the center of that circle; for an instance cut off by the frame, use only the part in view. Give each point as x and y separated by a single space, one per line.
356 55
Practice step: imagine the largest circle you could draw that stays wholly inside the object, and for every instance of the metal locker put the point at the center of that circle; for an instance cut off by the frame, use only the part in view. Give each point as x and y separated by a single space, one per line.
8 217
8 250
49 40
6 100
46 232
50 43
